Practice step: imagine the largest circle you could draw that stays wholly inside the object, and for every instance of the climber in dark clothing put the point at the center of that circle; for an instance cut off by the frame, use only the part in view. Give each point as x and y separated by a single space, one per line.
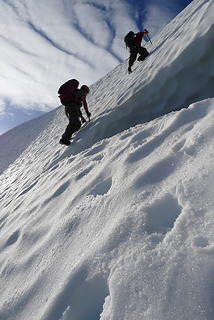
74 113
133 42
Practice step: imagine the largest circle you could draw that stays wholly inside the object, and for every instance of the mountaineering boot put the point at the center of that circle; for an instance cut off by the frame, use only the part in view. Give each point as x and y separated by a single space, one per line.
65 142
141 58
129 70
143 54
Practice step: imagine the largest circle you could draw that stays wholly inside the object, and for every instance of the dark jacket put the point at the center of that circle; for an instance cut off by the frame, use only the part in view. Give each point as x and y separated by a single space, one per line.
138 38
78 99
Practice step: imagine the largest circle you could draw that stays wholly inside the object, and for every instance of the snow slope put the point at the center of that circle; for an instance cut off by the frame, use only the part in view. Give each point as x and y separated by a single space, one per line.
118 226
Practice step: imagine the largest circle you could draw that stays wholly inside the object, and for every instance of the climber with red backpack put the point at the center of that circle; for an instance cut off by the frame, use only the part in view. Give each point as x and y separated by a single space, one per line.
133 42
73 99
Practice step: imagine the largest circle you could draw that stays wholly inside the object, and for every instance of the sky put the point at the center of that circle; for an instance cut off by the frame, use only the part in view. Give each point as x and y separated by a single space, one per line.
43 44
119 225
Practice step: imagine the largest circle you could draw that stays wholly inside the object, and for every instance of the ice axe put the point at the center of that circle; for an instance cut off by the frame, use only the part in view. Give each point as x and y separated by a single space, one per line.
147 35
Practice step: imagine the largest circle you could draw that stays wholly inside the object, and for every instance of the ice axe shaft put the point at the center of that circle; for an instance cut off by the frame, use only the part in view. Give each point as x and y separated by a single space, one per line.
148 35
149 38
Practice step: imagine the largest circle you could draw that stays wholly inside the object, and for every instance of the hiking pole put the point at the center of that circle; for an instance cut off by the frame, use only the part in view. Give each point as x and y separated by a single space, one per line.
148 36
149 39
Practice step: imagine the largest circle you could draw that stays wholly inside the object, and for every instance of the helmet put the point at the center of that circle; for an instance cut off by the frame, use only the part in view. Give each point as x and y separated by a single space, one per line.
85 88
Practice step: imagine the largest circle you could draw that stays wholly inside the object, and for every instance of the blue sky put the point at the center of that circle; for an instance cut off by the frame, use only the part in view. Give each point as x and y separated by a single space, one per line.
44 44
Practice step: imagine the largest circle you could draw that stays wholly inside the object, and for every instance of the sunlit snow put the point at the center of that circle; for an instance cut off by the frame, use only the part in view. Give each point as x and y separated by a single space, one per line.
119 225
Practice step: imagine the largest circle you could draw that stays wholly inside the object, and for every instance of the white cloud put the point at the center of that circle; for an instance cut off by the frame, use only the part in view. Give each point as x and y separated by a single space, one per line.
44 44
94 25
2 107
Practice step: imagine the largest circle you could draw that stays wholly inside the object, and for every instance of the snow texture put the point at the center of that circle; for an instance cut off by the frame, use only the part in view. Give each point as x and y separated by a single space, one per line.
119 225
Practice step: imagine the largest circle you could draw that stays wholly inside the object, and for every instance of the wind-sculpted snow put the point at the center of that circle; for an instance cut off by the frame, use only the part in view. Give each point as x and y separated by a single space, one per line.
122 229
119 225
14 142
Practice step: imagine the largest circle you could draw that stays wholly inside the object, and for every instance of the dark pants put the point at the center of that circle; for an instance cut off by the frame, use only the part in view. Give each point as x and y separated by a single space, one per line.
133 55
73 126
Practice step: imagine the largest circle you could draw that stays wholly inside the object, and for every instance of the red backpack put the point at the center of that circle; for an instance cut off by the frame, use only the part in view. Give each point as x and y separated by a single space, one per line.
66 91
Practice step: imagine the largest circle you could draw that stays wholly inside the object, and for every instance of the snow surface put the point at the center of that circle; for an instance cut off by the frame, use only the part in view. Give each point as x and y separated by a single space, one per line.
119 225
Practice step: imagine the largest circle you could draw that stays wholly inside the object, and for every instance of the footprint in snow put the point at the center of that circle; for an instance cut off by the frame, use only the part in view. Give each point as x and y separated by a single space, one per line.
81 299
158 172
200 242
12 239
162 214
102 188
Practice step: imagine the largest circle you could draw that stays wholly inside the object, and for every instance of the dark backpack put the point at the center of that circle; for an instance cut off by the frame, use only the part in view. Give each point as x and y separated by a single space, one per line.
66 91
129 39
